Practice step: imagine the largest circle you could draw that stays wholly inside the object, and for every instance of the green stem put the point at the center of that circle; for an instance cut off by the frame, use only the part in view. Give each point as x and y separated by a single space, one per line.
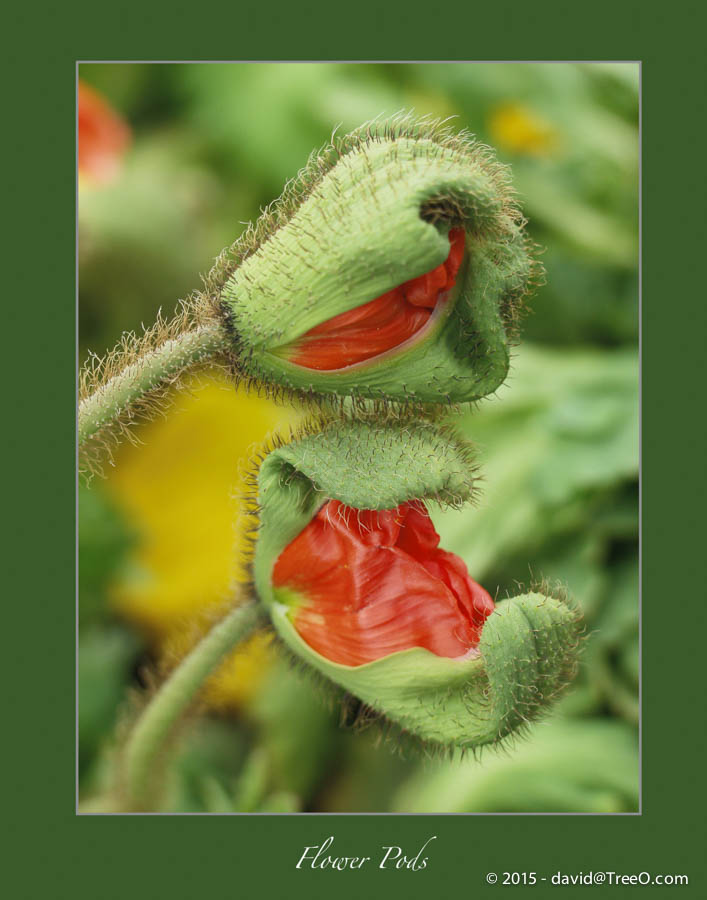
175 695
158 366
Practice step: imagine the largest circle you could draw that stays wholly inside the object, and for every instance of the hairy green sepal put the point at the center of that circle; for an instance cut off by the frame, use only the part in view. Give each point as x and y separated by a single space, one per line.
527 656
528 644
358 232
362 464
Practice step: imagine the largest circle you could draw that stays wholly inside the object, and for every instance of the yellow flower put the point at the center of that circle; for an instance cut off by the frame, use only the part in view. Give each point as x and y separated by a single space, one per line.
516 128
179 489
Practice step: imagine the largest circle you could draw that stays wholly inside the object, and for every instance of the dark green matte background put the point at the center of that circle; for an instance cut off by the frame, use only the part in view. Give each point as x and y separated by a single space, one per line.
54 854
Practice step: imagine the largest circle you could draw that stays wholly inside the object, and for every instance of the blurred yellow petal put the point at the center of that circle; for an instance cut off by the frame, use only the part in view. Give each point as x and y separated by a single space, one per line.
518 129
180 490
238 679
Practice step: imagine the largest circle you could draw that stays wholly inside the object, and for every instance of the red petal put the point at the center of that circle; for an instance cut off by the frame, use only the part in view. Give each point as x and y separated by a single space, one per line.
423 291
376 582
103 136
381 324
456 254
360 333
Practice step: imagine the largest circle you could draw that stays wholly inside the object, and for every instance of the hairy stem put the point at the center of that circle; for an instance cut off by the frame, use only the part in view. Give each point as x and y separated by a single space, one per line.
173 698
154 369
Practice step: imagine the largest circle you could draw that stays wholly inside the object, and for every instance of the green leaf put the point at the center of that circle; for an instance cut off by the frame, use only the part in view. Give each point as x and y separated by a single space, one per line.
565 766
106 657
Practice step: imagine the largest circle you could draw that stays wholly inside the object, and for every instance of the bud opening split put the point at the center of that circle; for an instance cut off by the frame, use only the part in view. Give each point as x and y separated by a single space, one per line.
392 268
391 323
349 568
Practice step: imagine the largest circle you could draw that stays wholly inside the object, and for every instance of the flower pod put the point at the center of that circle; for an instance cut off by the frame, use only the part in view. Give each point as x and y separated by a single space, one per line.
348 566
392 268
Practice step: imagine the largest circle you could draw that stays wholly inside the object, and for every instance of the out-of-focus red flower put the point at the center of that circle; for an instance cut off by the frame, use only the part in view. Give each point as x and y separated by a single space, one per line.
103 136
383 323
372 583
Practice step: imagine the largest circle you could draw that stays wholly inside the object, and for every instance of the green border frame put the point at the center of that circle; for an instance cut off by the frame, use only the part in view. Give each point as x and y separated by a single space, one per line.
53 852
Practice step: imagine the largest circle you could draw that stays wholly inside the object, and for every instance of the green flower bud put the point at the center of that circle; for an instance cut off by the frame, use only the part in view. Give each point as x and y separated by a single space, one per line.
392 268
348 566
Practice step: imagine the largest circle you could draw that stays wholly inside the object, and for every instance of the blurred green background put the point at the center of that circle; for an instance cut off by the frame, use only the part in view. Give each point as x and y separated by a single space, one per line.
558 443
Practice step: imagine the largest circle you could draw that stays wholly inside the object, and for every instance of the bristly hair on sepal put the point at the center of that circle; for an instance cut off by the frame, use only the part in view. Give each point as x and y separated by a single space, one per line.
285 265
358 436
369 211
138 380
504 733
528 645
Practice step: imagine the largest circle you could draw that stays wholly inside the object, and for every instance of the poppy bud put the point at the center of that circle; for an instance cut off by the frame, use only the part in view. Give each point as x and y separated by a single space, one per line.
392 268
348 564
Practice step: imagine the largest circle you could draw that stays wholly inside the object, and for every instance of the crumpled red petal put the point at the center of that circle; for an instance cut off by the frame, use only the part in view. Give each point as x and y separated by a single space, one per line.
376 582
383 323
